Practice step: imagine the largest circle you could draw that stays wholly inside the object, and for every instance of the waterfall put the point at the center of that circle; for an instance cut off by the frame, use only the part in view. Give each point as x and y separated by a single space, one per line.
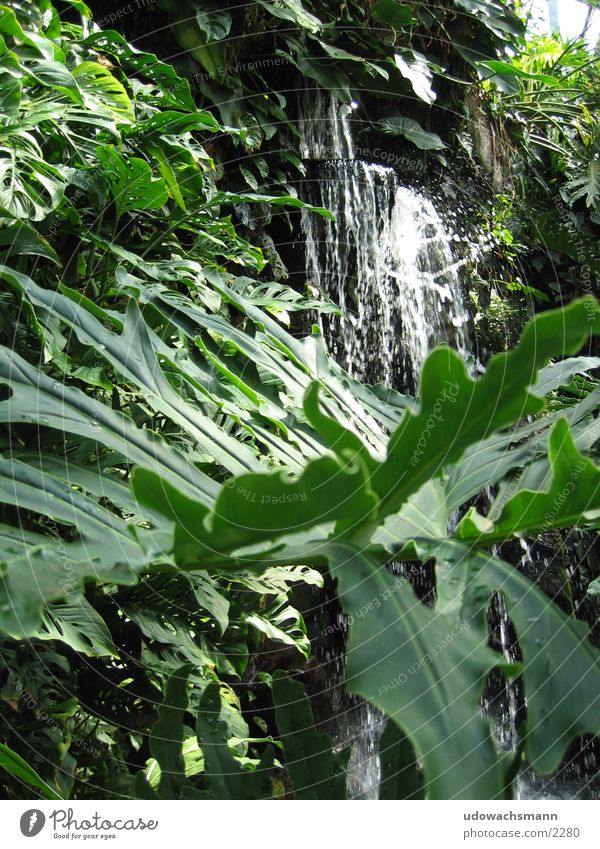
387 260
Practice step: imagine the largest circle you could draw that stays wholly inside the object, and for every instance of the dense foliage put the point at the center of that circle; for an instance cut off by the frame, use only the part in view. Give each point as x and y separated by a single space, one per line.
175 461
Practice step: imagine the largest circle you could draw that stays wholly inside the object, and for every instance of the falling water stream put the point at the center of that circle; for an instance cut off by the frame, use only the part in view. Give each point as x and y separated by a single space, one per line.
389 261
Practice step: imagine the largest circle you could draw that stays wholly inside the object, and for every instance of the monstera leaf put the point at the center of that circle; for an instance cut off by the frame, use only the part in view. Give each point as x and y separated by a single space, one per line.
30 188
131 182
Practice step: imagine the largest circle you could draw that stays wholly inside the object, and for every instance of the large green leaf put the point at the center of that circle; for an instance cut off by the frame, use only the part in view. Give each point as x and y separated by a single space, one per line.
561 668
79 626
471 410
134 350
168 734
259 508
37 399
22 240
400 125
424 671
572 497
281 622
103 532
102 92
131 182
10 82
30 188
174 89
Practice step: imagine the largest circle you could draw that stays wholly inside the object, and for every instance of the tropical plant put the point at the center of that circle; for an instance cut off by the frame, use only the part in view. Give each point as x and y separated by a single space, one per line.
175 460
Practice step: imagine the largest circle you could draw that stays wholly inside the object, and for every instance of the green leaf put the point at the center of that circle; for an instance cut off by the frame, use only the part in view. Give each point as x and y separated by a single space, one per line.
561 668
214 22
11 26
167 736
79 626
316 771
293 11
260 507
504 70
174 90
423 671
170 123
586 186
10 82
398 125
53 74
473 410
572 497
416 69
559 374
134 352
131 182
22 240
397 15
102 92
224 777
281 622
20 769
496 15
30 188
36 398
272 200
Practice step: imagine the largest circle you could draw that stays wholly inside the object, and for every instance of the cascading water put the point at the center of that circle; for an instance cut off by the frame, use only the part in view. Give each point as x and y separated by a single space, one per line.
389 262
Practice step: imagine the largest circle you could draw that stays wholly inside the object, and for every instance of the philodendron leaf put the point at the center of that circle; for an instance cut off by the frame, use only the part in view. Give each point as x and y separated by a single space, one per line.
316 771
456 411
257 508
399 125
426 672
135 351
30 188
572 497
37 399
80 626
281 622
559 374
401 777
102 92
561 668
29 583
272 200
174 89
